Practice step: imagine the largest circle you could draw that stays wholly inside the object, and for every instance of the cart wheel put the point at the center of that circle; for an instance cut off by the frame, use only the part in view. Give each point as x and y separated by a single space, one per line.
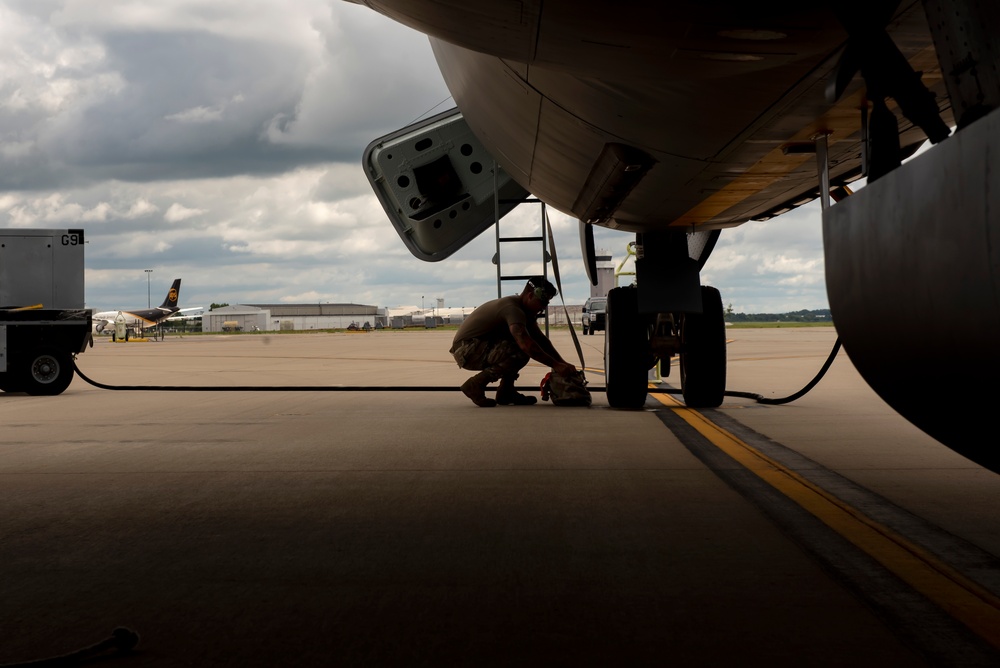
47 372
8 382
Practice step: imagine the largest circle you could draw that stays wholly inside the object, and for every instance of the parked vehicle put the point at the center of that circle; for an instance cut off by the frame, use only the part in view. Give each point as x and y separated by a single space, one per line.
43 322
593 314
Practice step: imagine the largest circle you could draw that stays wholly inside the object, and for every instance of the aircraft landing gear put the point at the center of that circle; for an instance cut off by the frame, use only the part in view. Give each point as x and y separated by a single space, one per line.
626 349
630 350
703 353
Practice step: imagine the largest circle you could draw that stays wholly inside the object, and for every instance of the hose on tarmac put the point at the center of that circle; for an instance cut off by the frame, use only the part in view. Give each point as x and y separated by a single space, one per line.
122 641
792 397
424 388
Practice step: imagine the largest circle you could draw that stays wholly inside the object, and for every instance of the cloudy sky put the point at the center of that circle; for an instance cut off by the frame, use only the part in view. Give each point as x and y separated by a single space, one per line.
220 141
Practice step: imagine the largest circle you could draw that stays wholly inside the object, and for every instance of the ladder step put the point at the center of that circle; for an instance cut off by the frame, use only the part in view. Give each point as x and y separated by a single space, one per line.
537 238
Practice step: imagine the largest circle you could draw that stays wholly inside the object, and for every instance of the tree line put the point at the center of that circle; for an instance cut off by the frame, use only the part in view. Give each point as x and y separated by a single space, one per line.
817 315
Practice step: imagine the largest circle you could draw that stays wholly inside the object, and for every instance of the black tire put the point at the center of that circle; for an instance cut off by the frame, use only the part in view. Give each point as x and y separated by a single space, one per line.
8 382
703 353
585 330
624 350
46 372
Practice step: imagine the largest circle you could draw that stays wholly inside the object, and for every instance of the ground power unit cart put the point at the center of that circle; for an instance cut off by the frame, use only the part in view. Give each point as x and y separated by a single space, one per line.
43 322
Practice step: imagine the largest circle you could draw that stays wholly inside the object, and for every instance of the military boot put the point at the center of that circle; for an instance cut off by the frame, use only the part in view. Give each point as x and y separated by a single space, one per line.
507 396
475 389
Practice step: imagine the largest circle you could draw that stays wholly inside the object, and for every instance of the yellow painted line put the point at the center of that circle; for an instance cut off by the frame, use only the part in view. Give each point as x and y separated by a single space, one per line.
963 599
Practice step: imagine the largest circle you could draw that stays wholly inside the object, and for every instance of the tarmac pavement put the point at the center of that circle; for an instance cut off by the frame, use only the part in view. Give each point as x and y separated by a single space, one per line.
413 528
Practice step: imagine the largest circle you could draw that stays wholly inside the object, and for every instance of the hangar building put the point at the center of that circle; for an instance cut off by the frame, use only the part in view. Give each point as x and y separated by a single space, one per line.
275 317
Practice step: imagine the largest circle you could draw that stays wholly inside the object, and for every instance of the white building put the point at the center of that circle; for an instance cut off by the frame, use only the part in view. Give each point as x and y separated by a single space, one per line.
291 317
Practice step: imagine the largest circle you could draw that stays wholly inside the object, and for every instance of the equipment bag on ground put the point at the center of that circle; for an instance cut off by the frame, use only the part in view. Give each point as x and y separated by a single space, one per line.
568 390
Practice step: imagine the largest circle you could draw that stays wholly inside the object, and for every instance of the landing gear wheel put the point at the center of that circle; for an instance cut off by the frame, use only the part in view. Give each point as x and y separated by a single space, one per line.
47 372
703 353
624 350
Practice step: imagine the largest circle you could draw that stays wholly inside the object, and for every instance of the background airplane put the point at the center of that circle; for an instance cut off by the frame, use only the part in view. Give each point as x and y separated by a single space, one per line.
104 321
417 315
678 122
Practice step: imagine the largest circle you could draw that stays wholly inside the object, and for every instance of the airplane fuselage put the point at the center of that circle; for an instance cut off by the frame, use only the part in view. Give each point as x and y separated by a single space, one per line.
144 317
147 317
676 120
716 107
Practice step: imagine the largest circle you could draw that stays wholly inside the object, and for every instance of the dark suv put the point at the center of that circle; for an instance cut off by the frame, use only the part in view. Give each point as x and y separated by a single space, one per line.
593 314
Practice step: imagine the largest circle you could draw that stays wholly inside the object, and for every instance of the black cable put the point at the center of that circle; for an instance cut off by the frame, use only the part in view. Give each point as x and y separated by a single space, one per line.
122 640
822 372
266 388
423 388
276 388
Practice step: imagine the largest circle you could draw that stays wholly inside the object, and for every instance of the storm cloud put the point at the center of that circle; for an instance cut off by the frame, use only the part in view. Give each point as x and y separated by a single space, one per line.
220 142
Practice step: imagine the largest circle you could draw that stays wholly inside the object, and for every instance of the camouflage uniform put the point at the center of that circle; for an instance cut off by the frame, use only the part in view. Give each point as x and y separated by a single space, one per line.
500 359
484 343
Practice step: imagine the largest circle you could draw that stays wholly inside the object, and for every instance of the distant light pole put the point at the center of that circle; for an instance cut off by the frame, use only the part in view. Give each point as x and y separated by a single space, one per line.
148 272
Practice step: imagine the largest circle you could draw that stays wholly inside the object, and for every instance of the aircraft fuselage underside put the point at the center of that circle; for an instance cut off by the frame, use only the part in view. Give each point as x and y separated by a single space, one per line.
675 123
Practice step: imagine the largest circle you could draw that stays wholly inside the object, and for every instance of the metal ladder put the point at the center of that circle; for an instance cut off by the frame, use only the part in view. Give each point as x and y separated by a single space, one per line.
500 240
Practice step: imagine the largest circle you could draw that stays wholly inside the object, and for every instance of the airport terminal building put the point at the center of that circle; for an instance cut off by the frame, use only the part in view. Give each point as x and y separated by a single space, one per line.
297 317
